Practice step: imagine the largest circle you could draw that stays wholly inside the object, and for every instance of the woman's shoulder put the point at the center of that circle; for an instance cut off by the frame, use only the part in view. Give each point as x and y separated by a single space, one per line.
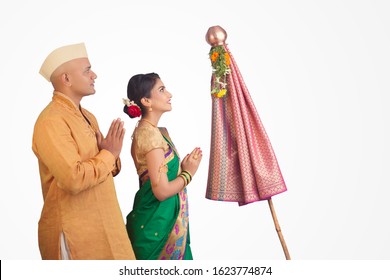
146 131
147 138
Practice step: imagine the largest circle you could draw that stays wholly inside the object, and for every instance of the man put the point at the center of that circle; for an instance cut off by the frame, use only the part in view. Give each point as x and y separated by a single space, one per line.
81 217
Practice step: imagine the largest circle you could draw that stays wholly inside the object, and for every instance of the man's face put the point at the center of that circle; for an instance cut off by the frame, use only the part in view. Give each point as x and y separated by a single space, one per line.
81 77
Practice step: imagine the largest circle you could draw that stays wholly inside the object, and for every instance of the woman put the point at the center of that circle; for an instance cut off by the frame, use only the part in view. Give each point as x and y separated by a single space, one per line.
158 224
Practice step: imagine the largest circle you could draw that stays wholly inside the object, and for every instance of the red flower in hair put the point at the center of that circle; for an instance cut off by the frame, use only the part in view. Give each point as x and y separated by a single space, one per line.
134 111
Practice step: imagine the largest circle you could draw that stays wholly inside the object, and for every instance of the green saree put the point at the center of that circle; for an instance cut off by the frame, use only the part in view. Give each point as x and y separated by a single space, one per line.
159 229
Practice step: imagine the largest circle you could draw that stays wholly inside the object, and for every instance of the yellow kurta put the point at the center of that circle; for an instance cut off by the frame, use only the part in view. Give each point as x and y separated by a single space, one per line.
77 185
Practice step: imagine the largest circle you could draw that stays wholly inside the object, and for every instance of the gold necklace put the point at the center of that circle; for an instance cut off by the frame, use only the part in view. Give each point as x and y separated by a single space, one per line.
149 122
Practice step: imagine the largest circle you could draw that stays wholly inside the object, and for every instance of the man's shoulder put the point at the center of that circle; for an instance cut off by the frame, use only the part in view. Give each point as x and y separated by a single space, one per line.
52 110
53 113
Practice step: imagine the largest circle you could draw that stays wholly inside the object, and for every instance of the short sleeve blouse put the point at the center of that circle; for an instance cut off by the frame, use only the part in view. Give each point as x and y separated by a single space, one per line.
145 139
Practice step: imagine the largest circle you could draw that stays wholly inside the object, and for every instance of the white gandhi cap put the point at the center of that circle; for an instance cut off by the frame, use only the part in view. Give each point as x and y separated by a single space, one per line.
61 55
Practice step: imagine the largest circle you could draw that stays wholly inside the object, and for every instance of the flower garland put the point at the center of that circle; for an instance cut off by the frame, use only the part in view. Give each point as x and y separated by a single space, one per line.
220 61
133 109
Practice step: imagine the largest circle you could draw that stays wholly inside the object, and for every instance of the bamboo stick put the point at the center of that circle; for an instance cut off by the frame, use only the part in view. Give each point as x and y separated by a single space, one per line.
278 230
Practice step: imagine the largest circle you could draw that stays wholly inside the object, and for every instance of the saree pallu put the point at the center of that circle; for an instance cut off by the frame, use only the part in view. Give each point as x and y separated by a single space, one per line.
159 229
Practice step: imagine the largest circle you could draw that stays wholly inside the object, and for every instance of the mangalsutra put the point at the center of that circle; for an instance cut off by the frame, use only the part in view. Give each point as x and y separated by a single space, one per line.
149 122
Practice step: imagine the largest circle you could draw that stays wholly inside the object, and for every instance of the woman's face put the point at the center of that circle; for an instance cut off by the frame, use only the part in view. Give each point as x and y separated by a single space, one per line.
160 98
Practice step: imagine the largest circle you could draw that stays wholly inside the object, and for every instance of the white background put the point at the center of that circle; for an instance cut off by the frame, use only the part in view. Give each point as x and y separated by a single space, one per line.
318 72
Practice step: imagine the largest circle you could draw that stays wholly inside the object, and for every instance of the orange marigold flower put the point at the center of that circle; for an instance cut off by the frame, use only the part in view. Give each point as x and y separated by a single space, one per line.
227 59
214 56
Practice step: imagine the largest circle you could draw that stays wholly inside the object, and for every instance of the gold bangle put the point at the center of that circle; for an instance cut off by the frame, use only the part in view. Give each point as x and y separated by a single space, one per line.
188 173
186 176
184 179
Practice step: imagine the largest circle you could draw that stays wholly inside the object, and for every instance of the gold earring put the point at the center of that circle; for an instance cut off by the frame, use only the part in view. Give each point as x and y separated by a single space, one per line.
150 109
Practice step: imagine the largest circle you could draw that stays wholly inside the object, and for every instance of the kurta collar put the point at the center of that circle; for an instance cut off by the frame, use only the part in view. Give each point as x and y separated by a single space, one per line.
65 100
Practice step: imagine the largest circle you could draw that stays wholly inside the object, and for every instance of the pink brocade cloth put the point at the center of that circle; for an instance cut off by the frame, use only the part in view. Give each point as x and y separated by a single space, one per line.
243 167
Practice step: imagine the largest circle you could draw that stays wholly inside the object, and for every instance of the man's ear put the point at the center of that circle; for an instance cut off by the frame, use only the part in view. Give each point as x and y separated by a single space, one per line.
65 79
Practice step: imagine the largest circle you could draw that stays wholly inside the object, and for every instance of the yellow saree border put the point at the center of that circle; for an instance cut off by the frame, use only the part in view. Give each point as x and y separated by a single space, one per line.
175 246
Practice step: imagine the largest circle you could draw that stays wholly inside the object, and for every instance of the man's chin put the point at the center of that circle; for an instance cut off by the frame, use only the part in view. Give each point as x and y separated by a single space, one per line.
91 93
